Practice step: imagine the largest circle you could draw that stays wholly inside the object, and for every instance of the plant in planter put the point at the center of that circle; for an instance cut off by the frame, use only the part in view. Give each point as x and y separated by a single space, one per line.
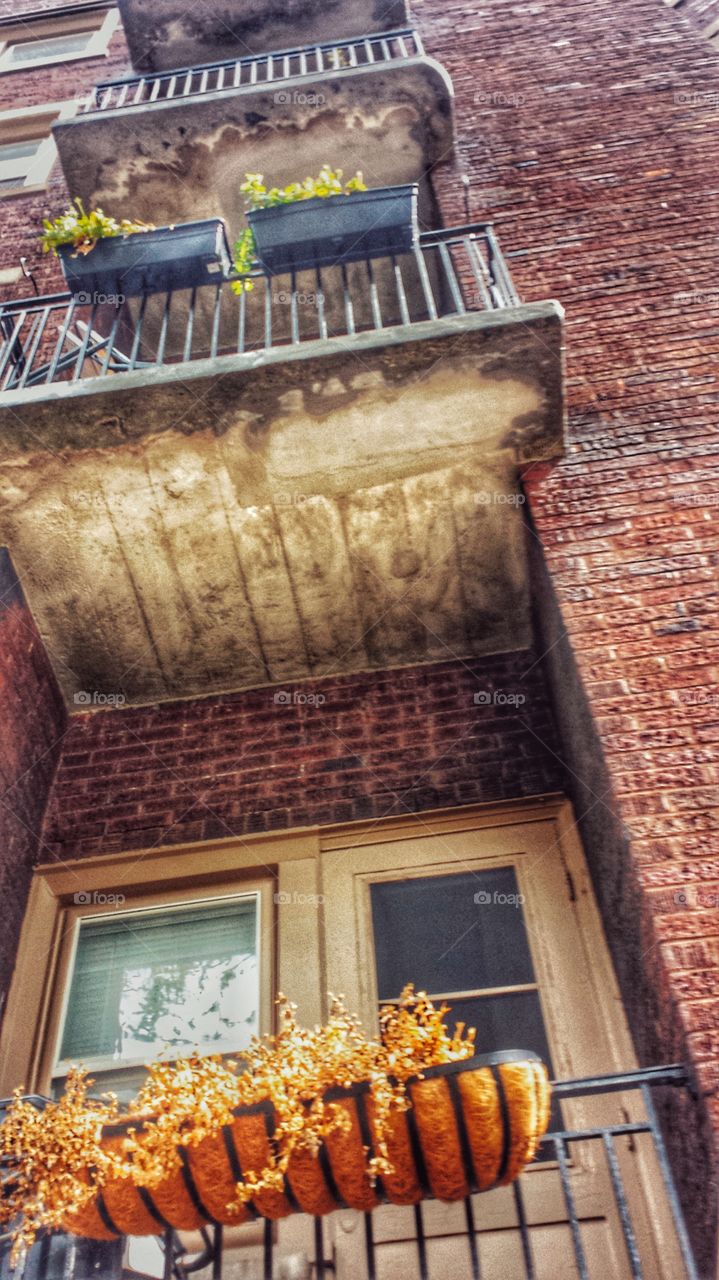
308 1114
321 222
103 257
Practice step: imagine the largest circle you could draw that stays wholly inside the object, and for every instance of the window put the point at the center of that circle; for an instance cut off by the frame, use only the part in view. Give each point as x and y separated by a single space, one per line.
160 982
27 148
54 40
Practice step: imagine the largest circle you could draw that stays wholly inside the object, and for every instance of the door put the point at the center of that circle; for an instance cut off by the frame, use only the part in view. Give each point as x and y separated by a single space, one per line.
499 923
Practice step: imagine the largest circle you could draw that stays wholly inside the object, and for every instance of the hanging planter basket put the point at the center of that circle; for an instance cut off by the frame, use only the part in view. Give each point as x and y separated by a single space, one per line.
472 1125
181 257
326 231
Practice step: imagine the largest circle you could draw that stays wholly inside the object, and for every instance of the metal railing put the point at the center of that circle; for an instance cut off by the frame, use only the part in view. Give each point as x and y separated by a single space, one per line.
63 339
260 69
65 1258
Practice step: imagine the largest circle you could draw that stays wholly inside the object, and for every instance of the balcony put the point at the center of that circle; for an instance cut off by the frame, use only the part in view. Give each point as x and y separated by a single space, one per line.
174 145
278 458
164 34
607 1207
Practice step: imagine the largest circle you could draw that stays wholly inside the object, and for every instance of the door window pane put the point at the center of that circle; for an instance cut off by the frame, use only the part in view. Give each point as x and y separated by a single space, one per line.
450 933
163 983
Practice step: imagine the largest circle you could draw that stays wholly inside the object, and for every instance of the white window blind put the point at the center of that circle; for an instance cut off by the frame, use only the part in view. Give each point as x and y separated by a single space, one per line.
48 49
163 983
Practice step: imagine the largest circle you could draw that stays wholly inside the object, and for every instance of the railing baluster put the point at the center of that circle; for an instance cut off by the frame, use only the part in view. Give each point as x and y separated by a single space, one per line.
424 281
449 272
294 315
139 92
622 1206
374 297
253 72
479 270
82 353
268 314
527 1254
472 1239
155 90
579 1256
160 350
171 87
348 307
421 1242
369 1247
322 318
238 75
110 346
319 1250
369 51
190 327
215 341
664 1165
267 1251
401 295
138 332
241 323
10 343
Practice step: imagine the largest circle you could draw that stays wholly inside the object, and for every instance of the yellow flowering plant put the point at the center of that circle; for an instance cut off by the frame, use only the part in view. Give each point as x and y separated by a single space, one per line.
58 1159
329 182
83 230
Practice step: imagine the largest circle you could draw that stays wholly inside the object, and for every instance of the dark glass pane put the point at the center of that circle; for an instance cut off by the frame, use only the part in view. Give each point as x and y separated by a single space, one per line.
450 933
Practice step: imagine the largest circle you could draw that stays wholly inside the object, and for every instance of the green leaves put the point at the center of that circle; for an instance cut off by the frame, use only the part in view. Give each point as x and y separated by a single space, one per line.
83 230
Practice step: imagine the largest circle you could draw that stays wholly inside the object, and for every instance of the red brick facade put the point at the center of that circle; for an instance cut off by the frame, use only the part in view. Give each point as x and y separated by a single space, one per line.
362 746
32 722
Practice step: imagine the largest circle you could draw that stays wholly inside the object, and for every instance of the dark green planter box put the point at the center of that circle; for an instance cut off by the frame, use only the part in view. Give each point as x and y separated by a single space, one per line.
324 232
181 257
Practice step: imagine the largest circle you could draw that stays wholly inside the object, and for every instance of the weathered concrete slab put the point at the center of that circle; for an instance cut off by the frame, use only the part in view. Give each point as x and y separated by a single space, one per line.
163 34
283 519
173 161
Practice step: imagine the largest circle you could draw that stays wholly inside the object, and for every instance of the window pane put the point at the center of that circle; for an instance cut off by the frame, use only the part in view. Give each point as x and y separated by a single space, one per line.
18 150
450 933
54 47
163 983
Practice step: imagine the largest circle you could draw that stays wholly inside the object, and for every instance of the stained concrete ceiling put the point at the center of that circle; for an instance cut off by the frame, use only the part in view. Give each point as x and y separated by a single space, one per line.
163 34
259 527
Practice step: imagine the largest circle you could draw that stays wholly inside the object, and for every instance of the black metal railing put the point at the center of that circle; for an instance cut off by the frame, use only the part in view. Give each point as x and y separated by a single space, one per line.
65 1258
259 69
63 339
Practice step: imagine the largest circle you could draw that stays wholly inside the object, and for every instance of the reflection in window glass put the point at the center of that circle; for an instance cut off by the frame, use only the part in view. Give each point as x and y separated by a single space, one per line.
53 47
163 983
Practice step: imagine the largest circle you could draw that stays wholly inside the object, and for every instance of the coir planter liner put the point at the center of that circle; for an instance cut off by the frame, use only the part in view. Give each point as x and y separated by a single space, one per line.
324 231
181 257
472 1125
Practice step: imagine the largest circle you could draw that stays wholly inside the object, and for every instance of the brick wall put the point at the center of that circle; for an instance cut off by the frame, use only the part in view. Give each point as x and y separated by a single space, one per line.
32 722
585 131
387 743
21 215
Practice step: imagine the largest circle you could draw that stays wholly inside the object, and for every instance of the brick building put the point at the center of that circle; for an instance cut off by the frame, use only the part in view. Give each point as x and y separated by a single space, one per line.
349 592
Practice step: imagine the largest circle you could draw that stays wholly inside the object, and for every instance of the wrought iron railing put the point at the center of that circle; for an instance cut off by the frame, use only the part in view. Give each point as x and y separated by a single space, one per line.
259 69
57 339
65 1258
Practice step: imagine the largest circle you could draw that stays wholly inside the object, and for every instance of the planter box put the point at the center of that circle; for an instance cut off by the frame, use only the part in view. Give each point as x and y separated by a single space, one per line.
472 1125
181 257
325 231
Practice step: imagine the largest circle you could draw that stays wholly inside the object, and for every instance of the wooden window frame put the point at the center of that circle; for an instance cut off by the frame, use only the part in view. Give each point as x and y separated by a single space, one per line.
29 124
99 28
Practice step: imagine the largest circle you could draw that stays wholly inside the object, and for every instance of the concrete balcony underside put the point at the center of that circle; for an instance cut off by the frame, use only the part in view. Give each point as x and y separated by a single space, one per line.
162 34
286 514
173 160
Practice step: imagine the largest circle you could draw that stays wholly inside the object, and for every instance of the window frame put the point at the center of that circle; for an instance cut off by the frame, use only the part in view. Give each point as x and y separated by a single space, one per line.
99 34
29 124
145 903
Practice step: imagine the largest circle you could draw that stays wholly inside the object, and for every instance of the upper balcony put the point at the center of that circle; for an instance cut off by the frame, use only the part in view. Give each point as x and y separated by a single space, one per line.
174 146
205 491
167 33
